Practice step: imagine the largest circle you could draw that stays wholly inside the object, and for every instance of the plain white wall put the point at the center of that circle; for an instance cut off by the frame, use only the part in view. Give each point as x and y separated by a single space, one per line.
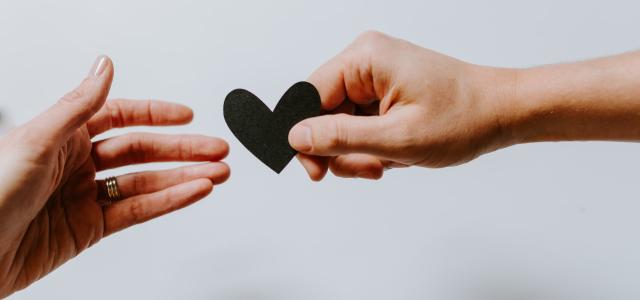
544 221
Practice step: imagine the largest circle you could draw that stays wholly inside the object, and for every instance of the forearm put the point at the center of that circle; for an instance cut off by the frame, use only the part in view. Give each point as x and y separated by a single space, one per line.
592 100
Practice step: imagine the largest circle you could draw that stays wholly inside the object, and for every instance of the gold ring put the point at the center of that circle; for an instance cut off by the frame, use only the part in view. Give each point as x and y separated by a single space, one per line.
113 192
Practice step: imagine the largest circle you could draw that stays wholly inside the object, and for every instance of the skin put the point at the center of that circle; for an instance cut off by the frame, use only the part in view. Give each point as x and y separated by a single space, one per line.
393 104
50 207
390 104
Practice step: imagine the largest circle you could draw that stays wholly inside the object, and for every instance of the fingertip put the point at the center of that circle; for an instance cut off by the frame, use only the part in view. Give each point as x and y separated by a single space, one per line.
315 166
220 172
103 69
194 190
379 174
110 66
329 80
300 138
165 112
317 176
371 174
185 113
218 148
77 107
101 65
225 148
202 188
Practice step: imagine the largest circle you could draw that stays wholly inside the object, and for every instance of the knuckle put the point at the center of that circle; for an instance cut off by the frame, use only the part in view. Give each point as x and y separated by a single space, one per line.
139 183
151 116
186 148
353 66
137 146
370 37
332 141
369 41
116 113
366 49
73 96
136 211
342 133
406 139
85 96
337 134
76 98
184 174
131 137
78 93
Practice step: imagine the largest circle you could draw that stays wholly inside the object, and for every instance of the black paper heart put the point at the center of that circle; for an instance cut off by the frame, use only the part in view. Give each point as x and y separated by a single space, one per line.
265 133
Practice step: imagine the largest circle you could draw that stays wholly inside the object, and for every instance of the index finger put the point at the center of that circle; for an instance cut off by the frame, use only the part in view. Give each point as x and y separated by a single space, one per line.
329 80
350 75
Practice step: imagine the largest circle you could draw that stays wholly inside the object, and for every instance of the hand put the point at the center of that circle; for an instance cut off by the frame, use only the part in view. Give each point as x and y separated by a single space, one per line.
49 198
394 104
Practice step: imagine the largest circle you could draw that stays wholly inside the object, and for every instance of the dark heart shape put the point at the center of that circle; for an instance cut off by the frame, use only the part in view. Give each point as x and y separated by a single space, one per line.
266 133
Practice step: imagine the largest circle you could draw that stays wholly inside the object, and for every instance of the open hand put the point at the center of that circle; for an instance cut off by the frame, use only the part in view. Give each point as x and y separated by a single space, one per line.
50 201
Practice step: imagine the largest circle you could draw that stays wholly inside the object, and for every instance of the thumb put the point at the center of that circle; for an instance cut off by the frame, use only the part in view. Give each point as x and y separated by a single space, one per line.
333 135
73 110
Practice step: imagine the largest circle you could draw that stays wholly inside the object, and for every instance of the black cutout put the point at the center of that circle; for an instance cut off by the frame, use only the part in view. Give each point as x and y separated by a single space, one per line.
265 133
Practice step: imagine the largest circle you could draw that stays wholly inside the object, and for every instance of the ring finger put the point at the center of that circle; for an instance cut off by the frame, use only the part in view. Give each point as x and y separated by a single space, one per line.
134 184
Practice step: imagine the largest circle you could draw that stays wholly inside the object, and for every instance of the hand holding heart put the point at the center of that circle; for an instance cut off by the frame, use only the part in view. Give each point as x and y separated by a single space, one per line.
395 104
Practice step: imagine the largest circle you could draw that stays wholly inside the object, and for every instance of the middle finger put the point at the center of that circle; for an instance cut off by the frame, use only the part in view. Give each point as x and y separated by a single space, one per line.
137 148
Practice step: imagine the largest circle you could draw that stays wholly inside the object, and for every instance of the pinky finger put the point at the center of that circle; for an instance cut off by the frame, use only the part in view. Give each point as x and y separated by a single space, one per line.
141 208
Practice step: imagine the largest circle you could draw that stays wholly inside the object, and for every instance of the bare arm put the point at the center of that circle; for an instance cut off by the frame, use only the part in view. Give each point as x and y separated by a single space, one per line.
396 104
592 100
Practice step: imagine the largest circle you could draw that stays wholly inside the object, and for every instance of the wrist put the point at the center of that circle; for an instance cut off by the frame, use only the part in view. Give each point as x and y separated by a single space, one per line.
495 89
558 103
533 107
528 105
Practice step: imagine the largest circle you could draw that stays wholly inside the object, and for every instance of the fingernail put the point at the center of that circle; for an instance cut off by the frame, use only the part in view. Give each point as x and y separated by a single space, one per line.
300 138
99 66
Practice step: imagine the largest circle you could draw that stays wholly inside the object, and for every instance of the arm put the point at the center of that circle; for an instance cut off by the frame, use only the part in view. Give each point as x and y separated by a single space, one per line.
591 100
411 106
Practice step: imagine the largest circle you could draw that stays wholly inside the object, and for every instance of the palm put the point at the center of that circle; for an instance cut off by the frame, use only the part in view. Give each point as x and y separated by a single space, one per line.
71 217
51 205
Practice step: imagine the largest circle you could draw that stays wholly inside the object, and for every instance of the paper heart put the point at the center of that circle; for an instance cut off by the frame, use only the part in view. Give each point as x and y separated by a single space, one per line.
265 133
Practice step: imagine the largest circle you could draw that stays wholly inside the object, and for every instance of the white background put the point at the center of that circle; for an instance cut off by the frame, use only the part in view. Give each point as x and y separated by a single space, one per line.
544 221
